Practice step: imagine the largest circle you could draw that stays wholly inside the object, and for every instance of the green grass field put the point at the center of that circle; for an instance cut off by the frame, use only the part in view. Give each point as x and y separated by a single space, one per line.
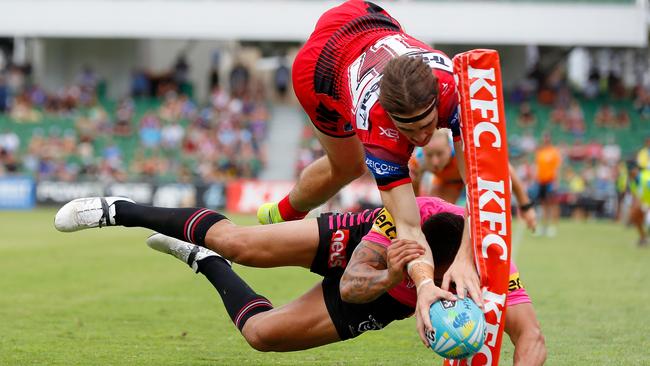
101 297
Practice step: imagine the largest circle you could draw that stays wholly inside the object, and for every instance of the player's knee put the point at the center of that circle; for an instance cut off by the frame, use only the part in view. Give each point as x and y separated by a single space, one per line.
260 337
228 243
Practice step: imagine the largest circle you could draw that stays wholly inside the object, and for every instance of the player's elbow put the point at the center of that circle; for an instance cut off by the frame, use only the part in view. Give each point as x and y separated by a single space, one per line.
346 288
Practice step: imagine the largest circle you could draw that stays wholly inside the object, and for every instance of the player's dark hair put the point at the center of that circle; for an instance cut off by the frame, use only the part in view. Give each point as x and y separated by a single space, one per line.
443 232
408 85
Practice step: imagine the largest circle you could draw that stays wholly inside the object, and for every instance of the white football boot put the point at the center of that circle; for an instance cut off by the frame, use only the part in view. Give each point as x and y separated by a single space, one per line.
186 252
86 213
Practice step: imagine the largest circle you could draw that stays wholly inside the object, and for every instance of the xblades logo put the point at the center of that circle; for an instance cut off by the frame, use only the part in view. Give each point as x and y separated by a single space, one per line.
391 133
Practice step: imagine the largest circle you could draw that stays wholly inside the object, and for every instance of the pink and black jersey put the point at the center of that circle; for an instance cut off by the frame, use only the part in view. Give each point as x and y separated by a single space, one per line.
405 292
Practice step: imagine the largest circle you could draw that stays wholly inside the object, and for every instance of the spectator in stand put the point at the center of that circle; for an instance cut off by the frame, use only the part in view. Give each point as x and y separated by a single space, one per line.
577 151
4 94
642 103
9 141
150 134
526 117
622 119
124 115
282 77
140 85
593 151
575 121
548 160
23 111
239 79
611 152
172 135
605 116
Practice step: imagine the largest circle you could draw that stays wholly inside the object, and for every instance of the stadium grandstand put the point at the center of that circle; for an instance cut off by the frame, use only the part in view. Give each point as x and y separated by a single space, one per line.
83 107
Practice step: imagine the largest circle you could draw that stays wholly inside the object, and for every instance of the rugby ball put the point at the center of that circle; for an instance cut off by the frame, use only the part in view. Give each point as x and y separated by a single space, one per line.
458 328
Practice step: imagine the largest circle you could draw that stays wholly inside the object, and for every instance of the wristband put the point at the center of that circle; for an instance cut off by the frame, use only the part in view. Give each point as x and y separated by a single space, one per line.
410 264
526 207
422 284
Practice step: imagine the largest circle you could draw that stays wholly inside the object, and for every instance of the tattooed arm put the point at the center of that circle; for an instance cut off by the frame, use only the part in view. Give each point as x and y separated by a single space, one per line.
373 269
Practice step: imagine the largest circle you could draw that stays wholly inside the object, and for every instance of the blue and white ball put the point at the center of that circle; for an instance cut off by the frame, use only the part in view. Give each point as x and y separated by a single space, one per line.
458 328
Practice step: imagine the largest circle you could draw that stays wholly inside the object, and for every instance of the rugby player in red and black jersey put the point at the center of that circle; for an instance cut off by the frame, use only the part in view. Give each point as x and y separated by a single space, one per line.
373 92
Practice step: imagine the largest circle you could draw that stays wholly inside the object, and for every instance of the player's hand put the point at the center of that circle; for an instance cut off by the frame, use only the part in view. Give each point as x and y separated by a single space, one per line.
428 293
401 252
463 273
530 217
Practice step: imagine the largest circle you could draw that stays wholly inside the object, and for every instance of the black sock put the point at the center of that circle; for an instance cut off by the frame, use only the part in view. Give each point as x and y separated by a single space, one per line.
187 224
240 300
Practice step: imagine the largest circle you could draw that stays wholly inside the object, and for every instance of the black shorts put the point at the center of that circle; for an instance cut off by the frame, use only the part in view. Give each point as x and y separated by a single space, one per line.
339 234
351 320
546 191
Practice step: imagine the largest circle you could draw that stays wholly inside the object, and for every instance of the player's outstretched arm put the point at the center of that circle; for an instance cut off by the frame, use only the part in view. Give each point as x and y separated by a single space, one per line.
400 202
373 269
526 335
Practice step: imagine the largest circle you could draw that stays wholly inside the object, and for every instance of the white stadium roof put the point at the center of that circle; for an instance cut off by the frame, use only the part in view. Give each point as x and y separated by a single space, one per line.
458 22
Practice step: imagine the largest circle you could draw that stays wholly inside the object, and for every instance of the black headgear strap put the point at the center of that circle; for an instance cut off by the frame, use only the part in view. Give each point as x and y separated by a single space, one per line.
415 118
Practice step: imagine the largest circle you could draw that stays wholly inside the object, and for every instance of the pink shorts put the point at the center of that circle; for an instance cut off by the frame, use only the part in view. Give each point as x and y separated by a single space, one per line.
516 292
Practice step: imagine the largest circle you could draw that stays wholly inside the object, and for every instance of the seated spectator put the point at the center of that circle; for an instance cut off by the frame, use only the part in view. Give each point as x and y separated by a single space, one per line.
124 116
575 121
9 141
150 134
594 150
611 152
23 111
526 117
578 150
622 119
172 135
605 116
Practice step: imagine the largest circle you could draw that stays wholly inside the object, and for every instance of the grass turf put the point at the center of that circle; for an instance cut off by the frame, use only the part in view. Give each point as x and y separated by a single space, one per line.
102 297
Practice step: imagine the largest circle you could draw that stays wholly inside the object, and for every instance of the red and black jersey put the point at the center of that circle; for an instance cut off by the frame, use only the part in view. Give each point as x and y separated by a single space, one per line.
337 75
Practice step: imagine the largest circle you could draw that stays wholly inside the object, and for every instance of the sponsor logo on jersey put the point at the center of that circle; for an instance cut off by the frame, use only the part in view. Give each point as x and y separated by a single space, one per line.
385 225
514 283
383 168
390 133
338 245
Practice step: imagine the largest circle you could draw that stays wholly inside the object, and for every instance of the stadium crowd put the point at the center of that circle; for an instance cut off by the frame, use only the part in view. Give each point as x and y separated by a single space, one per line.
75 133
159 133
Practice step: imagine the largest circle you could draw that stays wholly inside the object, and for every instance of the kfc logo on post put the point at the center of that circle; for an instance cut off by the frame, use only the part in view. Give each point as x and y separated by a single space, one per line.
337 249
391 133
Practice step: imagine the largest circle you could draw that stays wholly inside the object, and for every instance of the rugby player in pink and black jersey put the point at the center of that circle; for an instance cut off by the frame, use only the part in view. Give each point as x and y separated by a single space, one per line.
364 284
373 92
